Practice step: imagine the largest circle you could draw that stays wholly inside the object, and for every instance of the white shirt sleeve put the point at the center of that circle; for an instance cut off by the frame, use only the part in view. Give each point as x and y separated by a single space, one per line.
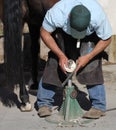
54 18
104 30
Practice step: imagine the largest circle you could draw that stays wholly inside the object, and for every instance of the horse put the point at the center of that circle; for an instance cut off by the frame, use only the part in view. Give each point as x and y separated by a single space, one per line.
14 14
11 16
1 9
35 12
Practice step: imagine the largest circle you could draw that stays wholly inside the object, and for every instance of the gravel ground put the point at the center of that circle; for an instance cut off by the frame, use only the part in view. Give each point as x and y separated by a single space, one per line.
13 119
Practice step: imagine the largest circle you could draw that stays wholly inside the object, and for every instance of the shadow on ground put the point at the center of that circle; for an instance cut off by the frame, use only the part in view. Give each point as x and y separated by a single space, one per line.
82 99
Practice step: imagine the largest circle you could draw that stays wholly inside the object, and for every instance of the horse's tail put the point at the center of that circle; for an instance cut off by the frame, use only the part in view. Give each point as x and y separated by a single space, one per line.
12 40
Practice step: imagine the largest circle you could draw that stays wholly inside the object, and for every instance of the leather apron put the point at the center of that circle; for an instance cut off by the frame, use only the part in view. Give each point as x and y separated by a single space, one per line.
91 74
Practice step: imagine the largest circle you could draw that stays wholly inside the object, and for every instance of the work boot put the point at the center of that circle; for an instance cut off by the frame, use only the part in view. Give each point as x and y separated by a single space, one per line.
44 111
94 113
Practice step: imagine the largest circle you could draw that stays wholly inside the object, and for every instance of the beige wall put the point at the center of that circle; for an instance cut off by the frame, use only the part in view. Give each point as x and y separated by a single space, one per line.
110 9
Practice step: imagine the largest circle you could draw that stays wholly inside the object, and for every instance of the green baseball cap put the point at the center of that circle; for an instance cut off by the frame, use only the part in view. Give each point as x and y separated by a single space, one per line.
79 21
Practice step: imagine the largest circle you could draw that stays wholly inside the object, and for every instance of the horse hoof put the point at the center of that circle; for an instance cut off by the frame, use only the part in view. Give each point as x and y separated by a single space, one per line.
27 107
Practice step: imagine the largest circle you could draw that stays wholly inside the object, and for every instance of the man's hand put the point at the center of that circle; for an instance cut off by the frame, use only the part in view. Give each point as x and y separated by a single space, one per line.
63 61
100 46
82 61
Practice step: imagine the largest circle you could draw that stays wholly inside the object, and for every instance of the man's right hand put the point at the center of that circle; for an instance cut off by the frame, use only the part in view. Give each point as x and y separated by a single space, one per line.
63 61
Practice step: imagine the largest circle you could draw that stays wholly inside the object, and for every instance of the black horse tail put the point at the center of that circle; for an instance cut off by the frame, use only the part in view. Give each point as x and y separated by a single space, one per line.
13 60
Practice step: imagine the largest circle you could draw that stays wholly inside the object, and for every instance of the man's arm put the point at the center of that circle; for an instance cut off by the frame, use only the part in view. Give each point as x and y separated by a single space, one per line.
101 45
52 45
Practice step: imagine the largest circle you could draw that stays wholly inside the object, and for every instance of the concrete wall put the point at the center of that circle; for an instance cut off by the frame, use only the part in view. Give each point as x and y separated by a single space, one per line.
1 50
112 50
109 7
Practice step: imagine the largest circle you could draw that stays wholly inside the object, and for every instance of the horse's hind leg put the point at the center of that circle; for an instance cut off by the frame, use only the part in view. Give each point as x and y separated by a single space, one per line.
26 105
35 51
24 96
23 93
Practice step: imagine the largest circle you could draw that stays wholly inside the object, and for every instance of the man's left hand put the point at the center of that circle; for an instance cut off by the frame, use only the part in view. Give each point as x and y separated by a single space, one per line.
82 61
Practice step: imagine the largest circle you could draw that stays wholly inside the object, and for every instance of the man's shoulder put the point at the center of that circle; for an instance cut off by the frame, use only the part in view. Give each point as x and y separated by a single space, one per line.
95 8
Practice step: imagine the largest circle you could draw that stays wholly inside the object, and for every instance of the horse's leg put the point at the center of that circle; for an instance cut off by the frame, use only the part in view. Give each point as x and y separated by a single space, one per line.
26 105
24 96
35 51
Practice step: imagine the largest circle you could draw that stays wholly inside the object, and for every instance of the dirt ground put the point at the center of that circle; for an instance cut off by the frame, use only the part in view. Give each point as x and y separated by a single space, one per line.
11 116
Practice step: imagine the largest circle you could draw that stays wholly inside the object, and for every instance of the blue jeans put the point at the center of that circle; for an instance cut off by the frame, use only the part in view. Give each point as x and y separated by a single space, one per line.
96 94
45 95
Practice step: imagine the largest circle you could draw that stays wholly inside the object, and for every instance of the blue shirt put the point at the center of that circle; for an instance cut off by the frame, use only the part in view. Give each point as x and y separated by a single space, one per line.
58 17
